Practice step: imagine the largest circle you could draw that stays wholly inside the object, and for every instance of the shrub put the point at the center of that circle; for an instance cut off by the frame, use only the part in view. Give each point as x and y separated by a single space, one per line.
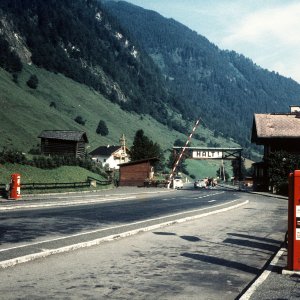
52 162
282 163
52 104
12 156
35 150
15 78
33 82
80 120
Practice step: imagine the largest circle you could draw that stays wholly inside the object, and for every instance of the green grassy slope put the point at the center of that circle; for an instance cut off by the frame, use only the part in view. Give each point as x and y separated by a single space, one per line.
26 112
207 168
31 174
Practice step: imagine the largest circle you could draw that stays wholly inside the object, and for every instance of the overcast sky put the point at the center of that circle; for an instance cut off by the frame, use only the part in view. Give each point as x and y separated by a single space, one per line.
267 31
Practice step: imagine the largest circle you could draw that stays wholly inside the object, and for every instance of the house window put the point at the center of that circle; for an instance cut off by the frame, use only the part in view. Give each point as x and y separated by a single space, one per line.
104 160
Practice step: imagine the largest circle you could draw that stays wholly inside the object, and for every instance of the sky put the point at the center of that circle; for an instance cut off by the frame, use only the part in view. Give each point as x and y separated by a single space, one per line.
266 31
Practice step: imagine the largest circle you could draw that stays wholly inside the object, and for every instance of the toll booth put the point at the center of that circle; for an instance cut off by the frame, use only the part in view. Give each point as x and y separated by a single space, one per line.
293 260
15 187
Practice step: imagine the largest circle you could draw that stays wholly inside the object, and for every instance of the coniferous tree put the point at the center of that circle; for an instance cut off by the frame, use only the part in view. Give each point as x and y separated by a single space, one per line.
143 147
102 128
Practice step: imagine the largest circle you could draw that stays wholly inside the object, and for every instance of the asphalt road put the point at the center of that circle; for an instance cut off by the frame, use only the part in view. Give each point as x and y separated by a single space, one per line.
212 257
27 231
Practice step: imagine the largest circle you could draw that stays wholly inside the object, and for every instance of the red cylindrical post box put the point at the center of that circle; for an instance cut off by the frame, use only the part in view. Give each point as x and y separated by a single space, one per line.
15 186
294 222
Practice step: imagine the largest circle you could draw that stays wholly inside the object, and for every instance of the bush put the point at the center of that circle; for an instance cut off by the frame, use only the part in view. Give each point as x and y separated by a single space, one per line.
33 82
12 156
282 163
80 120
52 162
52 104
35 150
15 78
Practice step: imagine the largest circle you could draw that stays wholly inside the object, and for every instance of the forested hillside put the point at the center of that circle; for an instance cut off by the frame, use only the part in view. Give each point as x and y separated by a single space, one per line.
140 61
223 87
78 39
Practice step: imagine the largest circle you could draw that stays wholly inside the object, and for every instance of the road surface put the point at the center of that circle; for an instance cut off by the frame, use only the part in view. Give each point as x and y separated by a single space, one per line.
212 257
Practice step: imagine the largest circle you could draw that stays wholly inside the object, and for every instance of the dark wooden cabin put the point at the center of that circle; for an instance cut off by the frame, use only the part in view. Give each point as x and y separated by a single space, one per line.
275 132
135 173
63 142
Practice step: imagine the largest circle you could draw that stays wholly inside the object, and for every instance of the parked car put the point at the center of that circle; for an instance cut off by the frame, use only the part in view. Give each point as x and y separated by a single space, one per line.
178 183
200 184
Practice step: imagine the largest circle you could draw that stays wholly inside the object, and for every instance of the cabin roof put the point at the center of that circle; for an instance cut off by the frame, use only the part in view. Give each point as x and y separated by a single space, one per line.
66 135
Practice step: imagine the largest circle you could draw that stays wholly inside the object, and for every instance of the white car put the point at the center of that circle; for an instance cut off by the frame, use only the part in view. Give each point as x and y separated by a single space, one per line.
177 182
200 184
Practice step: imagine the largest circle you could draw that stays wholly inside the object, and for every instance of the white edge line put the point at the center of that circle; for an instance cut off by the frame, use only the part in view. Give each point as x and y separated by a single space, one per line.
30 257
263 276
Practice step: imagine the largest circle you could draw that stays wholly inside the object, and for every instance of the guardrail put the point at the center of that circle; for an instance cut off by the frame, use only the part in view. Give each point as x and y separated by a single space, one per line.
58 185
41 186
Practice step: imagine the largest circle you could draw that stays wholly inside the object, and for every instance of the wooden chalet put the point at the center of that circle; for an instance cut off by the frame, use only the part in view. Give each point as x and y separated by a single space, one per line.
275 132
63 142
135 173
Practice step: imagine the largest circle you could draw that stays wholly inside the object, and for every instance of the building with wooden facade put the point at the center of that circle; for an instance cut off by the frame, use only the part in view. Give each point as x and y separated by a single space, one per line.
63 142
135 173
275 131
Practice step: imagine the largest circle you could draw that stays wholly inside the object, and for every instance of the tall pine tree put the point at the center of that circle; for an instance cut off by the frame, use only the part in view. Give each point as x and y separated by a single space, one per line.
144 148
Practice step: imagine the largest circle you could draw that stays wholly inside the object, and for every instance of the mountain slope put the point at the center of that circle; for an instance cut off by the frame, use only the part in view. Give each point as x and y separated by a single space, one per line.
222 87
85 66
58 100
78 39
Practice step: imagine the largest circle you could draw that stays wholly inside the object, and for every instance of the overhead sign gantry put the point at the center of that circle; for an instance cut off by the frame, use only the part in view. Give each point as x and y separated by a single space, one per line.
204 153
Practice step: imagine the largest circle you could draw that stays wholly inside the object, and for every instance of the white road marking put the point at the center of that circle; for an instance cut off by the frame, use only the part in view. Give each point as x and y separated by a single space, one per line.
26 258
209 195
65 203
263 276
210 201
85 199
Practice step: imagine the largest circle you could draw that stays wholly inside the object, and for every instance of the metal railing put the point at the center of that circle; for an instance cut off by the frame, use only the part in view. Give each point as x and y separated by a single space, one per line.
58 185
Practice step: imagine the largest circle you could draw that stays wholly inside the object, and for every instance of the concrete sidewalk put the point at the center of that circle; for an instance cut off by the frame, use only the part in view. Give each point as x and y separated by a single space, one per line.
272 283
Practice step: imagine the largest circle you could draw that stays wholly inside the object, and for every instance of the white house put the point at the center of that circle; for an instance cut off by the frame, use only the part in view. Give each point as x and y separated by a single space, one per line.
110 156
